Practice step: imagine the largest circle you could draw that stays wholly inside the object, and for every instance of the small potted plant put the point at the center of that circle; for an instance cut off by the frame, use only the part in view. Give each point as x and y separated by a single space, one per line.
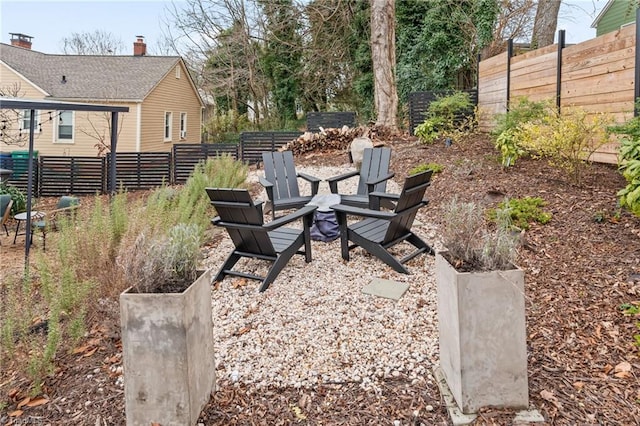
167 329
481 310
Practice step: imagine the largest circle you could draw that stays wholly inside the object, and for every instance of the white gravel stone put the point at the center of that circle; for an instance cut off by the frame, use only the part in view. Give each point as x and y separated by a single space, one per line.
314 325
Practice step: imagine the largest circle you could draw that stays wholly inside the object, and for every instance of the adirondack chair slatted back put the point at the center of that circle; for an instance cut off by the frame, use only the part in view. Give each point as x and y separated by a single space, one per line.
375 164
236 206
279 169
410 201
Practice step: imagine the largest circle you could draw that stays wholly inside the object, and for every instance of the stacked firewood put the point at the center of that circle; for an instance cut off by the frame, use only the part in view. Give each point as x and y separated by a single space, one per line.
330 139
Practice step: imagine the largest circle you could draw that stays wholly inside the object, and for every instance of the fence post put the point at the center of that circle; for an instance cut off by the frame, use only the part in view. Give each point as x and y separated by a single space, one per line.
636 79
561 39
114 143
509 55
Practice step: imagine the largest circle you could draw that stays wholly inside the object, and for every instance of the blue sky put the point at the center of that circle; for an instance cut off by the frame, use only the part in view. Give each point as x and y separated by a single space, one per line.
49 21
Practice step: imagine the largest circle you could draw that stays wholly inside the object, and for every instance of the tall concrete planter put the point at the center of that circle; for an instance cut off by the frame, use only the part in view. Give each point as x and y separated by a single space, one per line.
167 344
483 353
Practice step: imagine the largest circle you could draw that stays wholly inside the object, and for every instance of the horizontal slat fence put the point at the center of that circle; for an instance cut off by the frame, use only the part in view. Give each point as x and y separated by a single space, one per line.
71 175
419 104
330 120
186 156
253 144
20 178
138 170
597 75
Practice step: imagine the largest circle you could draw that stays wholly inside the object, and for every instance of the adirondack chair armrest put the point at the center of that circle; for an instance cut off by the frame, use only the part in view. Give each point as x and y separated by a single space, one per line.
333 181
308 178
264 182
358 211
231 225
371 183
306 210
385 195
314 181
268 186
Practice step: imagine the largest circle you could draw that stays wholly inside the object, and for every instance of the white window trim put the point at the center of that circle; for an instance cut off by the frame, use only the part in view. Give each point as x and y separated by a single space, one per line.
56 135
164 127
37 122
178 72
183 125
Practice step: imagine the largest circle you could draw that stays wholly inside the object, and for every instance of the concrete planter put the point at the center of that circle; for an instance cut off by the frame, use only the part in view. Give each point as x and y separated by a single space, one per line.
483 352
167 345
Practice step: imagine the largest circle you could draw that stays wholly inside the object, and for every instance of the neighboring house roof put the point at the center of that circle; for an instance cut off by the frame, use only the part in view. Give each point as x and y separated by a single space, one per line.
89 77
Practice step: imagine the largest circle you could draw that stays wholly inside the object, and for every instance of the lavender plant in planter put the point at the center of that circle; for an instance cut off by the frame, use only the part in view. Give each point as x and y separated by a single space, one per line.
167 330
481 312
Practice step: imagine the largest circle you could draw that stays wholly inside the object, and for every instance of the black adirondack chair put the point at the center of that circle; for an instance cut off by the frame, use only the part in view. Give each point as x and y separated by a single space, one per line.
281 182
374 174
382 230
243 220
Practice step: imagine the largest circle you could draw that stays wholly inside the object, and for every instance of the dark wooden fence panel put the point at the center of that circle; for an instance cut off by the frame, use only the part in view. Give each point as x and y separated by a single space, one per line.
71 175
329 120
142 170
419 104
253 144
186 156
19 177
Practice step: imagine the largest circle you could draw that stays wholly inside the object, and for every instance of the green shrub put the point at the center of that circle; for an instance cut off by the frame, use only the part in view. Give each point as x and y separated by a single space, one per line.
506 134
440 121
19 198
225 126
567 140
522 211
521 110
629 163
435 167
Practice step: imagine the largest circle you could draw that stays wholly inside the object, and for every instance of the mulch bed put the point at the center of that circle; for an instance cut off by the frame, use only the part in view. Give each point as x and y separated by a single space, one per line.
579 269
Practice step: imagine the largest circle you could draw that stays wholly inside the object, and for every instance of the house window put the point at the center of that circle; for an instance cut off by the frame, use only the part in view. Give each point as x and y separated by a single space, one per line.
65 126
183 125
168 118
26 120
178 71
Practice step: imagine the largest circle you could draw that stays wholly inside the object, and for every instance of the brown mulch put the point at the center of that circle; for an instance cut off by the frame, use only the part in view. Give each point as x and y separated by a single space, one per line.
580 268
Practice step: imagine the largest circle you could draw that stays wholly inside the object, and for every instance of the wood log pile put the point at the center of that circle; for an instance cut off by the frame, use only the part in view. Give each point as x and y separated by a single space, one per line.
331 139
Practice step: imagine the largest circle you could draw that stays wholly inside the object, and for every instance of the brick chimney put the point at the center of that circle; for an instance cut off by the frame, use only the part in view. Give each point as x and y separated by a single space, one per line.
21 40
139 46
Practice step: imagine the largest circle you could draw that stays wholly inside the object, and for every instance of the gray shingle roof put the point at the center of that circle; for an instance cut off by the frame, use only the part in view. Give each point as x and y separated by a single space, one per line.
89 77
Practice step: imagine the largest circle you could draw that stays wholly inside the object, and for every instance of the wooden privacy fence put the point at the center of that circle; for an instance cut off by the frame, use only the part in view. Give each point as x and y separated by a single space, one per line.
185 157
252 144
598 75
56 175
327 120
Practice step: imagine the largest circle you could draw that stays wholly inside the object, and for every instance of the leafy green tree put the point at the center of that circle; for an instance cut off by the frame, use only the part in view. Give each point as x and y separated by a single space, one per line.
281 55
439 40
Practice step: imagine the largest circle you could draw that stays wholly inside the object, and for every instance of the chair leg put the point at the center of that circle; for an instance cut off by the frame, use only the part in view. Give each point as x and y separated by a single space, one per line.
227 265
308 222
418 242
280 262
344 234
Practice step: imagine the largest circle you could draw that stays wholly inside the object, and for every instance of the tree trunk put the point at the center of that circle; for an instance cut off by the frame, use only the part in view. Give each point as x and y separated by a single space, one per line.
383 56
544 27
